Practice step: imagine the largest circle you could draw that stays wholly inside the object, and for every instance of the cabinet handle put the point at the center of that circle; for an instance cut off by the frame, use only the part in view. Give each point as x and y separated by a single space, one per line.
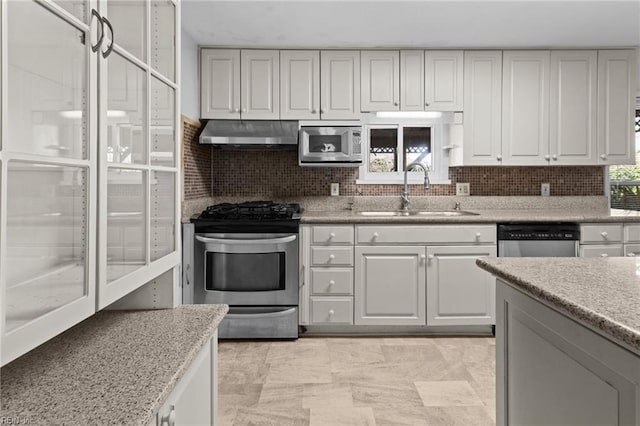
604 255
631 254
375 235
499 158
169 419
301 276
554 157
603 157
604 235
332 235
395 103
322 110
313 111
331 282
331 312
478 235
331 257
95 13
422 258
107 52
431 257
546 157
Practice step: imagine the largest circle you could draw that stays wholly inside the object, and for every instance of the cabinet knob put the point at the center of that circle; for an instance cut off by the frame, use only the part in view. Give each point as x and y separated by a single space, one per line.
236 110
332 235
631 254
604 255
422 258
243 110
395 103
546 157
431 256
375 235
604 235
322 110
426 104
603 157
332 256
499 158
554 157
478 235
331 282
331 312
313 111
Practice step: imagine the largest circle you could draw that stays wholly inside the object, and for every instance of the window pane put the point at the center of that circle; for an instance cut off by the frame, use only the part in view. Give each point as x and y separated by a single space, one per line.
162 124
625 180
162 214
383 150
417 147
77 8
46 239
128 18
126 223
126 111
47 83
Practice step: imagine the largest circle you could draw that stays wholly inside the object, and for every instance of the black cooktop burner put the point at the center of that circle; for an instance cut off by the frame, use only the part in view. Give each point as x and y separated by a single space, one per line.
252 210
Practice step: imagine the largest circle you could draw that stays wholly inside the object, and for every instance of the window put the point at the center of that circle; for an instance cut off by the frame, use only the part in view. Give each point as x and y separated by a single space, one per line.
625 180
390 147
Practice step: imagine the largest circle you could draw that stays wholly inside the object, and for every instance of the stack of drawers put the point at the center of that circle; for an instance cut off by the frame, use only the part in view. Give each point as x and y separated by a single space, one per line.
331 274
601 240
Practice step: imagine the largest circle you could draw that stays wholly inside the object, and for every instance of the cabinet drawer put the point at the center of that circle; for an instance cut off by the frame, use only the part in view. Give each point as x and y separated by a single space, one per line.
331 310
599 233
601 250
332 256
332 281
632 233
632 250
332 235
438 234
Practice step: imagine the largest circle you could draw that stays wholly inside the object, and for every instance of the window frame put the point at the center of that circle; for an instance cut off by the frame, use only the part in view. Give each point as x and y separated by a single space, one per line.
439 171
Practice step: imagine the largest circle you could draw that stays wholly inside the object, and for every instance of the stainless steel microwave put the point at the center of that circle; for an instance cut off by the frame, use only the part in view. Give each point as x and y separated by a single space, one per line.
331 146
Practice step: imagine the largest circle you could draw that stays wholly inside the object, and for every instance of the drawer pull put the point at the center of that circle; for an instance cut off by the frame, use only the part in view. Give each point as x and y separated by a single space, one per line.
604 235
331 282
375 235
331 312
604 255
478 235
631 254
422 258
332 256
332 235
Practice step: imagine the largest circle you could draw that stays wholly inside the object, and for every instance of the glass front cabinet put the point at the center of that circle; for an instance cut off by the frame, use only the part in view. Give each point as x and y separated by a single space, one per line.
88 159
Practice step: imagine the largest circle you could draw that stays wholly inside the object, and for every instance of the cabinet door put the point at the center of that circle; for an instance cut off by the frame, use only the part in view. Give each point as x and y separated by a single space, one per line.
220 83
299 84
458 292
482 108
380 79
340 85
389 286
412 80
572 111
443 80
602 250
616 88
260 84
525 107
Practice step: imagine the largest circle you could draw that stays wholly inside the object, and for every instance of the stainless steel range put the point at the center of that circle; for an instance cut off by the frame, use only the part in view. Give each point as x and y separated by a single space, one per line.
246 255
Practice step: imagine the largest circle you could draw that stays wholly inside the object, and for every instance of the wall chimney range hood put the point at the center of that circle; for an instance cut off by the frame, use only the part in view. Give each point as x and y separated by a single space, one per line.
250 134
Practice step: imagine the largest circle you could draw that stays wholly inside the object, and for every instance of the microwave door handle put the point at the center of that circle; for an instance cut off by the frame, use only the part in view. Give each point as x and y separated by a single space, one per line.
280 240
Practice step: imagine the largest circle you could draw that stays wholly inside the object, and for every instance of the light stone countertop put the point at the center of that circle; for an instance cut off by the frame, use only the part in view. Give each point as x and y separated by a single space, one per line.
116 367
603 293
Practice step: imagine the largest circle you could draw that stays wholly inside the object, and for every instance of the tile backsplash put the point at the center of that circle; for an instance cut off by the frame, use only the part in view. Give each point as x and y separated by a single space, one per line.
276 174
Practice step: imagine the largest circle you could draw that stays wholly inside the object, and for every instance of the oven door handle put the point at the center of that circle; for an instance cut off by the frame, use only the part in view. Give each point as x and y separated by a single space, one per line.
280 240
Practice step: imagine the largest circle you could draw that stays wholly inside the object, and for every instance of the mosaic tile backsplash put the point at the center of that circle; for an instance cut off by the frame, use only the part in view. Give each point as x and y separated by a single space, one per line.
196 162
276 174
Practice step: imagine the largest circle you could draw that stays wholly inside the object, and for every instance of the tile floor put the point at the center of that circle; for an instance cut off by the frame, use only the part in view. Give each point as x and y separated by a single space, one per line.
357 381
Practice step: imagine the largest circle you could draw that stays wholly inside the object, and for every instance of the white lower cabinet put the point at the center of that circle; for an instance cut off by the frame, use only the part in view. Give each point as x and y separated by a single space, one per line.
601 250
193 402
458 292
601 240
390 285
331 310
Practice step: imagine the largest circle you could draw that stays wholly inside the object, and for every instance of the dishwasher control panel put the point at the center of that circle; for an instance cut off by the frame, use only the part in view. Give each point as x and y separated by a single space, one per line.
538 231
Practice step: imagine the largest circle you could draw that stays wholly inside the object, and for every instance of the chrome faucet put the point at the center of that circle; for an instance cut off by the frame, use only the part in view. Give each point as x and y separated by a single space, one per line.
405 190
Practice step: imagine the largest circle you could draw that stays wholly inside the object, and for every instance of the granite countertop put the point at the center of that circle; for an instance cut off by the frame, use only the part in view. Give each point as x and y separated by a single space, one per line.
603 293
116 367
483 216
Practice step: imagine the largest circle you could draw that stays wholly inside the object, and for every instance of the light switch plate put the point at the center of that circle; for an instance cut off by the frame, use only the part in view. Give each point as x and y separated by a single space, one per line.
335 189
462 189
545 190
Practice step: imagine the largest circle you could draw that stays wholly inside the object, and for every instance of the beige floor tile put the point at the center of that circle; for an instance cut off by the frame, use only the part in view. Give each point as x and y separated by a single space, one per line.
242 372
439 370
400 416
319 395
299 371
408 341
266 416
457 416
310 350
342 416
367 373
385 394
411 353
342 355
242 395
448 394
281 395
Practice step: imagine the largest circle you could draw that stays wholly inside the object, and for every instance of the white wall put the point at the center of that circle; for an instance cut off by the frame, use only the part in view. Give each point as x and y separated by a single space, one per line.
190 97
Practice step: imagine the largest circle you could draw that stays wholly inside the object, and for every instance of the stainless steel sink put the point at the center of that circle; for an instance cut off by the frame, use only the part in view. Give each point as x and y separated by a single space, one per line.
426 213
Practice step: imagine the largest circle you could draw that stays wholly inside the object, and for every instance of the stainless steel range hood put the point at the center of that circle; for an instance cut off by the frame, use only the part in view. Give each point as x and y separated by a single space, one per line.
250 134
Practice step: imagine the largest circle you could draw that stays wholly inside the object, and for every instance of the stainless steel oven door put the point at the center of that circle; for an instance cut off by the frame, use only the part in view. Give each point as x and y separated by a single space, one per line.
326 144
246 269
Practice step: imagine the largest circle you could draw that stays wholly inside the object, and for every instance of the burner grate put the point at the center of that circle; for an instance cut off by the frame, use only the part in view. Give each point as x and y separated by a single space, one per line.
252 210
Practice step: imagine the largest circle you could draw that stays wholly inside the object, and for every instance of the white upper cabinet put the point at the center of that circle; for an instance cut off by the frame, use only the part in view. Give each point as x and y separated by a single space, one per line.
616 104
412 80
340 84
572 109
443 78
220 83
525 107
482 108
299 84
260 84
380 80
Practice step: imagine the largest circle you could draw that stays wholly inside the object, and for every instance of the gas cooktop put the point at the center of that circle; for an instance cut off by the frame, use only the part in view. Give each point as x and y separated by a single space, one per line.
252 210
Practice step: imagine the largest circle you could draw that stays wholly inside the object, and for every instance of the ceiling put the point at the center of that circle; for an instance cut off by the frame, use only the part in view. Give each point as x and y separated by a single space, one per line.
418 23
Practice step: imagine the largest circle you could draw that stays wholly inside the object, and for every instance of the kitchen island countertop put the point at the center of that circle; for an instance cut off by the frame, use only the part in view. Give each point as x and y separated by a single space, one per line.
602 293
116 367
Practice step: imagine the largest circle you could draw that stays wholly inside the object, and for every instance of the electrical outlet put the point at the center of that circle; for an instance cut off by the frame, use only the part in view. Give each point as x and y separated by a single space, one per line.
462 189
335 189
545 190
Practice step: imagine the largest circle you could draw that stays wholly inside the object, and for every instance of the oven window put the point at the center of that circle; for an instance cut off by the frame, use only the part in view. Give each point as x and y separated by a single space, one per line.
325 143
245 271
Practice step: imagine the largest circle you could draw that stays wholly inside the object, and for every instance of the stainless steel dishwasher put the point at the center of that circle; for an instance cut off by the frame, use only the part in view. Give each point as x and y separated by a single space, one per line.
538 239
